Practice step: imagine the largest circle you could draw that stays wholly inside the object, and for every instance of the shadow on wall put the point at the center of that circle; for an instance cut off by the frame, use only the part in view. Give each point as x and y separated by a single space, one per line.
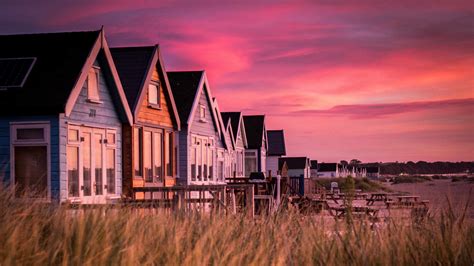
4 166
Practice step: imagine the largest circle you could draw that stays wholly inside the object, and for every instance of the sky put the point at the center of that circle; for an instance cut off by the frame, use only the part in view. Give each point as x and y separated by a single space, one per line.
372 80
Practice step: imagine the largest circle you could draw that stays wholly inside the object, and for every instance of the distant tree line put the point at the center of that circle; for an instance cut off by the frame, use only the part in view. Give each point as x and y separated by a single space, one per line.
423 167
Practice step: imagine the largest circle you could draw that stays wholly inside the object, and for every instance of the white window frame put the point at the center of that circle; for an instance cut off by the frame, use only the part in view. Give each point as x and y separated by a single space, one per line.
95 70
252 154
202 113
156 105
210 148
45 142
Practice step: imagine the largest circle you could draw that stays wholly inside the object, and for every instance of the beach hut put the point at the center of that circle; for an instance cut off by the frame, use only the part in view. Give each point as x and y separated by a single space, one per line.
257 145
62 110
200 140
149 146
235 123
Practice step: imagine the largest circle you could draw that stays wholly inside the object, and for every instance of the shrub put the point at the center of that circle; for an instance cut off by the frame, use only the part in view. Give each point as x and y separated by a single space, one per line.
411 179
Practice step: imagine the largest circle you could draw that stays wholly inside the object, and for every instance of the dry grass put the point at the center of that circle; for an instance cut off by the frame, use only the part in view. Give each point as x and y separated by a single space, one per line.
41 234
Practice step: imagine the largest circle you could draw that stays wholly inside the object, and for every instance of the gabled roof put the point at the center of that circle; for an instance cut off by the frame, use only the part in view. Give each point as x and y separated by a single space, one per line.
132 65
237 122
327 167
135 66
60 70
314 164
187 87
254 129
293 162
276 142
226 128
234 118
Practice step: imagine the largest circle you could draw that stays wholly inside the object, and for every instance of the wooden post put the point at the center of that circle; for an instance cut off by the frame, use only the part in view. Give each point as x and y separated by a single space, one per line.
278 190
181 200
250 201
234 207
223 197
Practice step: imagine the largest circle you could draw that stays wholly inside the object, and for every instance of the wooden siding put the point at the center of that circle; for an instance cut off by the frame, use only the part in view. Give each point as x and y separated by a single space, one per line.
160 117
127 163
183 156
239 143
272 164
54 149
106 116
228 141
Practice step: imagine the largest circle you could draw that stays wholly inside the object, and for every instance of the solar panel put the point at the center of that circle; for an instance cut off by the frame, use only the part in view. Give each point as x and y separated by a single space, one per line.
14 71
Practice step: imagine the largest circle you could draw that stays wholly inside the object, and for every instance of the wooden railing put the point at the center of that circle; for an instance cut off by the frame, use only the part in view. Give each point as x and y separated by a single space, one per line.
225 198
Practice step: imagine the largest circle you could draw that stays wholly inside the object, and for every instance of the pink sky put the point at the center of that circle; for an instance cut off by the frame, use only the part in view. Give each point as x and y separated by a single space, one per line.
373 80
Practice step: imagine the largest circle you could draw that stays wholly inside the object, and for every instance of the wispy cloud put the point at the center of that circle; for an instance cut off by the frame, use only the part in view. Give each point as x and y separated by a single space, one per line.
377 111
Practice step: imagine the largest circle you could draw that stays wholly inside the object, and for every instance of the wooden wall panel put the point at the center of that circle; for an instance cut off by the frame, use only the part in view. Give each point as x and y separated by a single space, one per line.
160 117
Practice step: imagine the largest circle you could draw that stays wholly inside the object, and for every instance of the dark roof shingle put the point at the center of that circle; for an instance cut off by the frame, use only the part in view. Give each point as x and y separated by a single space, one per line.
132 65
184 85
234 120
327 167
293 162
276 142
60 58
254 130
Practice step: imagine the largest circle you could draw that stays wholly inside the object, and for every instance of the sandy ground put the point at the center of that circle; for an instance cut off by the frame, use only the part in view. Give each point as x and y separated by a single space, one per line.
438 192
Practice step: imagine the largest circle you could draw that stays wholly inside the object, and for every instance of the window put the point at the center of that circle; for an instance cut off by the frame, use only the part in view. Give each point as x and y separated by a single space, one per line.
220 165
137 152
193 162
169 153
202 113
250 162
15 71
30 159
110 161
72 155
154 94
158 156
151 154
202 158
147 156
210 160
93 85
98 164
30 134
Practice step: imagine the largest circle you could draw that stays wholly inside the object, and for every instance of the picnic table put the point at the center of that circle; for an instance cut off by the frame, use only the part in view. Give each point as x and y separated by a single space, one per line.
408 198
379 196
331 196
358 211
407 201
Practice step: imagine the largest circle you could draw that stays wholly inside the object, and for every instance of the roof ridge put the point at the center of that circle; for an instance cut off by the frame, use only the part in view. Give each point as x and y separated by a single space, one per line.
52 33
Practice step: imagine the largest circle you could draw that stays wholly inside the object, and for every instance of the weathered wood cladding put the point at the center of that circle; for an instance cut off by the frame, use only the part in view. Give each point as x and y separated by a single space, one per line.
160 117
183 155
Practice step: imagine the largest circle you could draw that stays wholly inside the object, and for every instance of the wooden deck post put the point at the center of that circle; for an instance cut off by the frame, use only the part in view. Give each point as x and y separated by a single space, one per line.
250 201
233 201
278 190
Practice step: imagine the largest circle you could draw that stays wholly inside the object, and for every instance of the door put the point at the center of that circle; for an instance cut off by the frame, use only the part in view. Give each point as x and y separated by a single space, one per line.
93 179
31 171
91 164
